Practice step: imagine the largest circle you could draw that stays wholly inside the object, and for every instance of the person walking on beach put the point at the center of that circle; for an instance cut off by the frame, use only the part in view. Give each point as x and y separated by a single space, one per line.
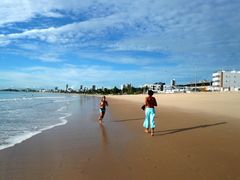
102 108
149 123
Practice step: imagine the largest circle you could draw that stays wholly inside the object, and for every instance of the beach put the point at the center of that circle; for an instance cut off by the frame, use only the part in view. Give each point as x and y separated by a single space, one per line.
197 137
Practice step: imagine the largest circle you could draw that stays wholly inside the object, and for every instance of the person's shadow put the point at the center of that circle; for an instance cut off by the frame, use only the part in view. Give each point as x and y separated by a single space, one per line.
126 120
173 131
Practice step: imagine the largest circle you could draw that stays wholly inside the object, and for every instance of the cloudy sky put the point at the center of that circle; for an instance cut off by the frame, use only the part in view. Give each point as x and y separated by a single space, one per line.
48 43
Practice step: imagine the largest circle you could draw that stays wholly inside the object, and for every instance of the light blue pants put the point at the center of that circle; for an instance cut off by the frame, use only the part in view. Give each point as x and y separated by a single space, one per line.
149 118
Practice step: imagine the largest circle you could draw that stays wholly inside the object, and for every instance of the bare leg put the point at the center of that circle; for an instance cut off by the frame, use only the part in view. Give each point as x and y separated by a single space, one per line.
146 130
152 132
101 117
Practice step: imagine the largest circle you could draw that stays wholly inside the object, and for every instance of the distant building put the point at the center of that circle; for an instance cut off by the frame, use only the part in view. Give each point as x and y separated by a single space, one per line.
125 86
173 82
156 87
66 87
81 87
56 89
226 81
94 87
203 85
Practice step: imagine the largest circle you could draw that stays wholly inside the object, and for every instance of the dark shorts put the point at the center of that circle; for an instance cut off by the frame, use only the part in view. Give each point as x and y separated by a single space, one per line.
102 110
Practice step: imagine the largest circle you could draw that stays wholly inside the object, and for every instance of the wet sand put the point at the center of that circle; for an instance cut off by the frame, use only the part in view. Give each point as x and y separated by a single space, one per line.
81 149
187 145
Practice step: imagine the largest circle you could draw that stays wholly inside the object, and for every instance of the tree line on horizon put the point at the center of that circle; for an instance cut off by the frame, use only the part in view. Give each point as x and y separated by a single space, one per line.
104 91
115 90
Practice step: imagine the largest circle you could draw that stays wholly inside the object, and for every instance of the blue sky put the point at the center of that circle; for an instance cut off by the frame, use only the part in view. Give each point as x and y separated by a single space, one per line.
48 43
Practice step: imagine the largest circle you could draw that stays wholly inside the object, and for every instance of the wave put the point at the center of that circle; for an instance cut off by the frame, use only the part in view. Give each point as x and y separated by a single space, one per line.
28 134
30 98
62 108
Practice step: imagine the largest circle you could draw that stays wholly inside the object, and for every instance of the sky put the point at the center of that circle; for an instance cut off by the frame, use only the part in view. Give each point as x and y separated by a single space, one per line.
51 43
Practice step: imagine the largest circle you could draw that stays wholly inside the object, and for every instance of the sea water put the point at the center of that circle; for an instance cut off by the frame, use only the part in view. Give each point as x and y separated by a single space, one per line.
23 115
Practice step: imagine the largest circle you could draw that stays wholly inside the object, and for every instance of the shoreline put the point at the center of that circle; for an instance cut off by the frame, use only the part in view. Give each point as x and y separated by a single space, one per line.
58 117
19 139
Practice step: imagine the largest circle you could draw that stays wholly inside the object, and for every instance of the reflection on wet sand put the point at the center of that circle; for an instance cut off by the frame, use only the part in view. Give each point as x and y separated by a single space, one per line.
103 134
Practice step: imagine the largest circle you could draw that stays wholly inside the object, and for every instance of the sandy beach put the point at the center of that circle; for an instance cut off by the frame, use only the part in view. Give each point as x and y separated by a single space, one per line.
197 137
223 104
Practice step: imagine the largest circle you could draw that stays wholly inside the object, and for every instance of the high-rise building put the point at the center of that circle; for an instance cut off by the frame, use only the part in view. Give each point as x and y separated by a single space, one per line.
81 87
173 82
226 80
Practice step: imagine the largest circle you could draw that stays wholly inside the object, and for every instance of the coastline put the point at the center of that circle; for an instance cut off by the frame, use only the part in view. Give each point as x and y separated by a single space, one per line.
23 100
187 145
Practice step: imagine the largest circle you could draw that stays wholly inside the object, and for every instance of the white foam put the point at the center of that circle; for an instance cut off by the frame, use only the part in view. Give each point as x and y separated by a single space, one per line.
31 98
50 97
18 139
62 108
4 100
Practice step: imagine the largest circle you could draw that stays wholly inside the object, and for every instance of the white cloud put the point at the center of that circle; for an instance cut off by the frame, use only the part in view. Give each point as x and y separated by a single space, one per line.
160 25
73 32
122 18
41 76
4 41
72 75
49 58
24 10
117 58
205 32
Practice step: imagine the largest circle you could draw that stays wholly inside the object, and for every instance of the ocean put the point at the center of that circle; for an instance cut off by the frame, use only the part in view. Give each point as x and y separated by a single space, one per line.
23 115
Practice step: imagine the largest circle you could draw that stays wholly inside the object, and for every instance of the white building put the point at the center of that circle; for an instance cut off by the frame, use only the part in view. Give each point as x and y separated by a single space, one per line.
156 87
226 80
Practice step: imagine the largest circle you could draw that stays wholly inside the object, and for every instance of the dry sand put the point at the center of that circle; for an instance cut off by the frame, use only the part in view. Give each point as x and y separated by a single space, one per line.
224 104
187 145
